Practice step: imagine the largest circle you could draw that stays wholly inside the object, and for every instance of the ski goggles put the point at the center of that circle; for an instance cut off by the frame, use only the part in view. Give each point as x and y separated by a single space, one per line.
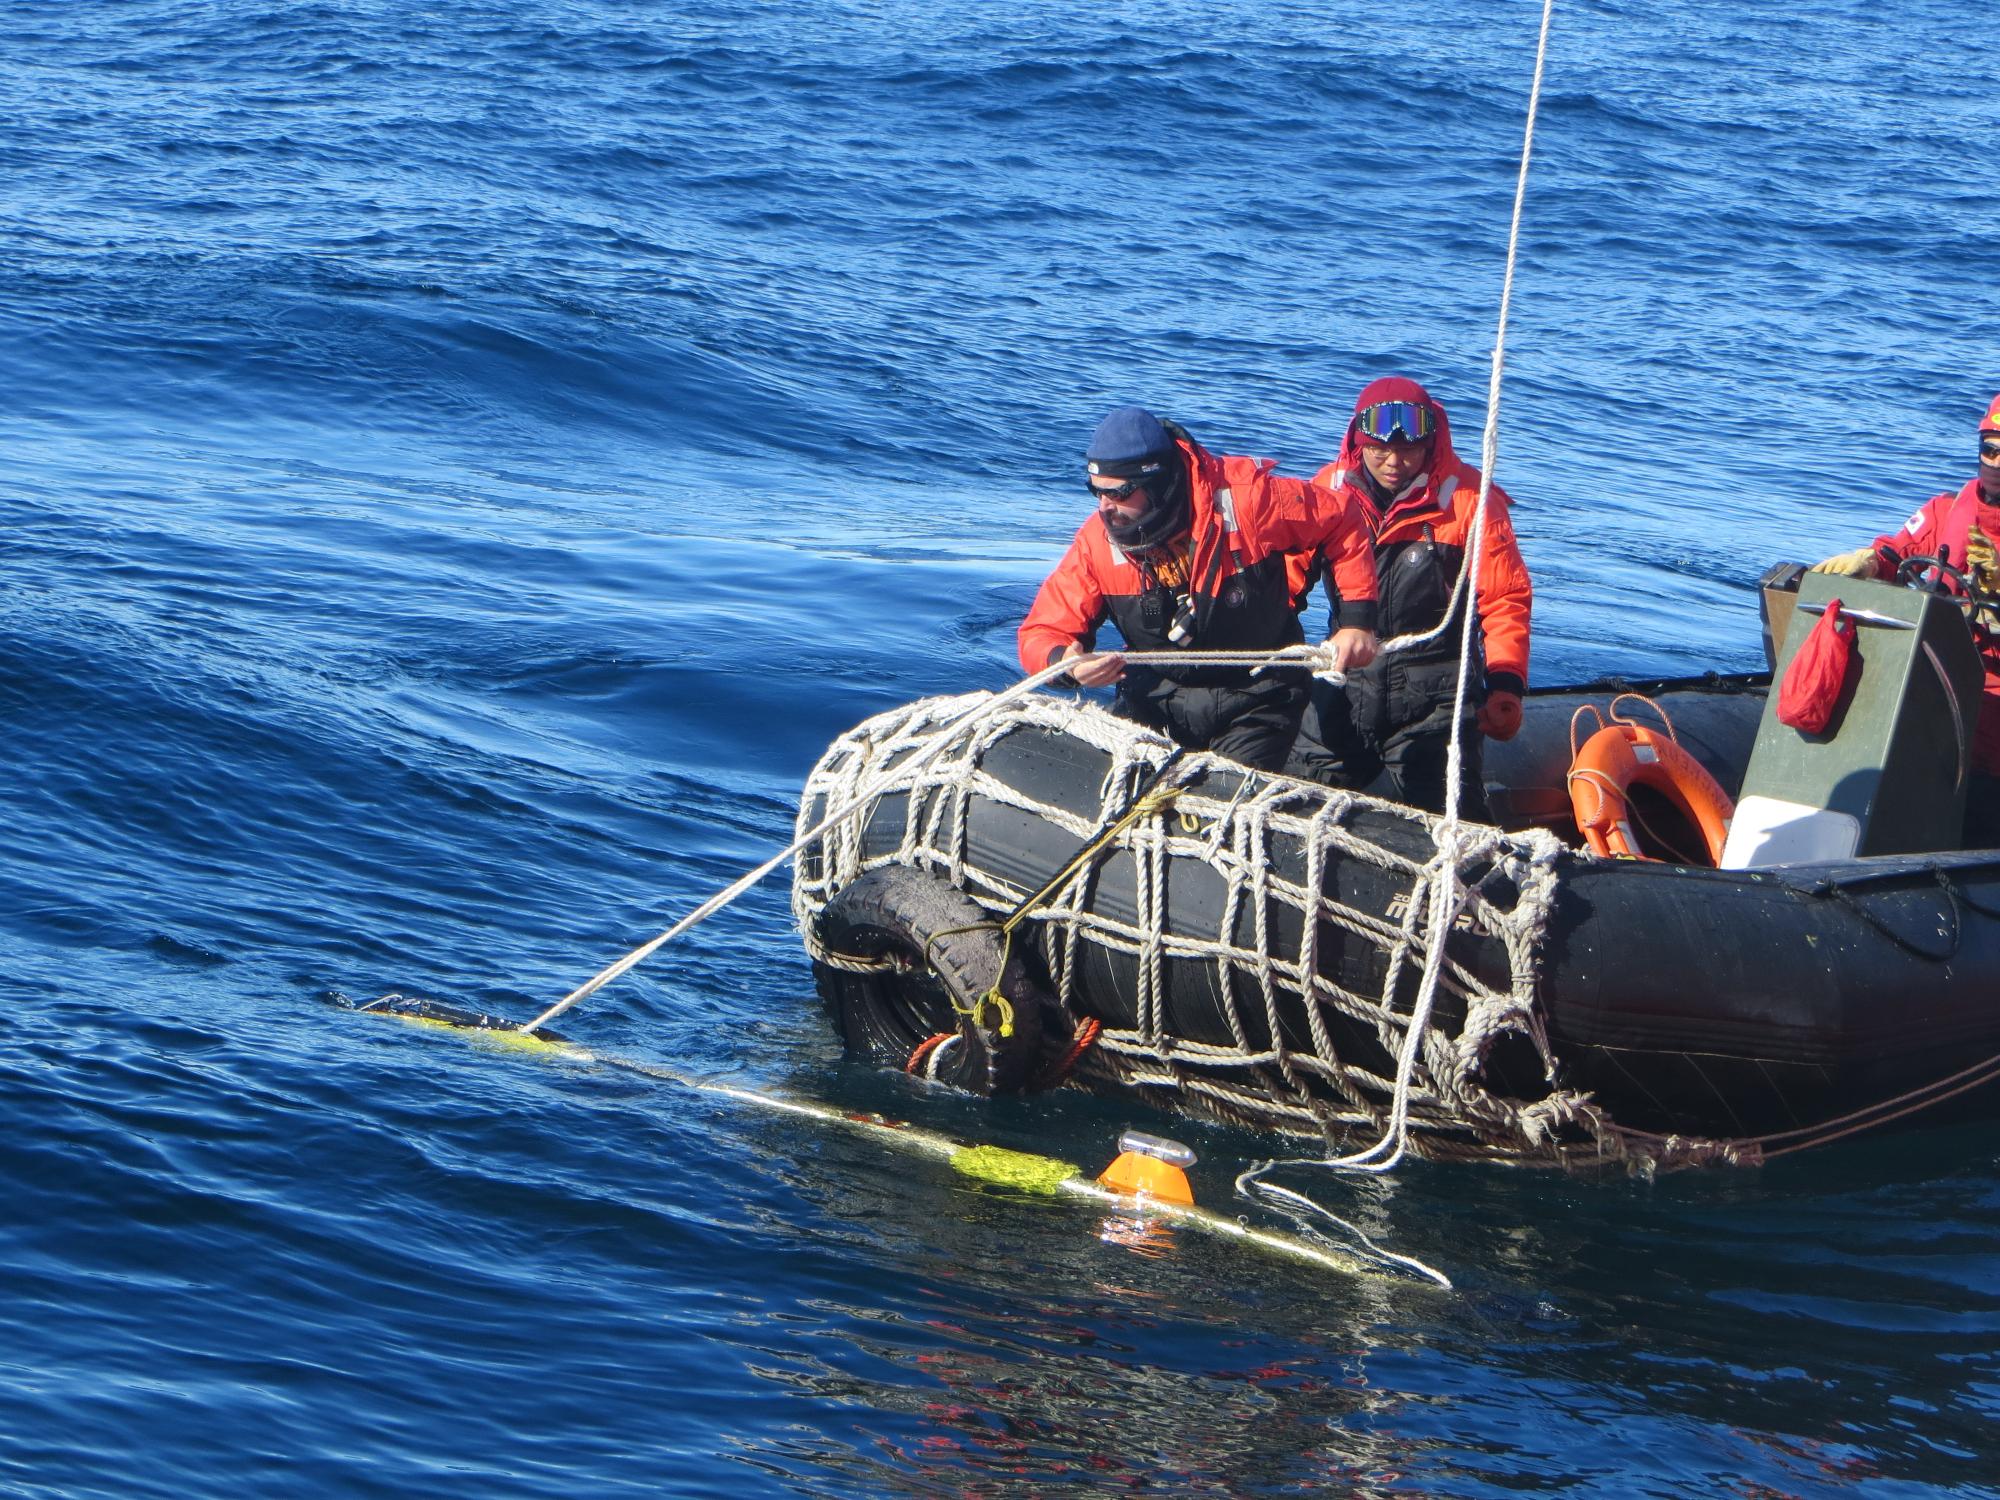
1989 449
1120 492
1395 422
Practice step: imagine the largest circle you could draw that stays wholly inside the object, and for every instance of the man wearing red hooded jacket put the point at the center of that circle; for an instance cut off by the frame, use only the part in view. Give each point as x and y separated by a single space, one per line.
1959 527
1187 550
1398 468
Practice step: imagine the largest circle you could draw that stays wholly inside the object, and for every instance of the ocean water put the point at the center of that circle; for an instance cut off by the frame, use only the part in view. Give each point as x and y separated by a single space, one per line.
465 461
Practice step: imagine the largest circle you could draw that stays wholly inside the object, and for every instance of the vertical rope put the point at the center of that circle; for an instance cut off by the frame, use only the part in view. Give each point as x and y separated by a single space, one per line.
1445 895
1489 437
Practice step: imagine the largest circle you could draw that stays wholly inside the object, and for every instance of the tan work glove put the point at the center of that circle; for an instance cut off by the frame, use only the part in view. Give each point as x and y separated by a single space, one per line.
1862 562
1982 564
1982 570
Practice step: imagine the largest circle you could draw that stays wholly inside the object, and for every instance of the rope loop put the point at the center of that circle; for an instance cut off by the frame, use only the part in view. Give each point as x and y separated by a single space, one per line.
1059 1070
923 1061
975 1011
1660 709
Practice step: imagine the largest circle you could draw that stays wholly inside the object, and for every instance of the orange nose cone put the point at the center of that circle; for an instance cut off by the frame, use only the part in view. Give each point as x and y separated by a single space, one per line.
1137 1173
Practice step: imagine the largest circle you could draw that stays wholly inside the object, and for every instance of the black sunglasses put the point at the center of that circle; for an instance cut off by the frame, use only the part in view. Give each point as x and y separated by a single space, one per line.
1989 449
1123 491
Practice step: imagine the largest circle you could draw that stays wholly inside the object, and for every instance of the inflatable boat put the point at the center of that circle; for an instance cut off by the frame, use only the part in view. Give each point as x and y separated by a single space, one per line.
1691 934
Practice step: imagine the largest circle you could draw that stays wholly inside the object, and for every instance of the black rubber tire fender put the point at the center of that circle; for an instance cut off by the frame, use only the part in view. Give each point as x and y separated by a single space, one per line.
947 949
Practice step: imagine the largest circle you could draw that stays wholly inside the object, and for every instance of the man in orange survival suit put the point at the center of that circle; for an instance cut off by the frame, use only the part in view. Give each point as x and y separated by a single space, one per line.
1398 468
1187 550
1959 527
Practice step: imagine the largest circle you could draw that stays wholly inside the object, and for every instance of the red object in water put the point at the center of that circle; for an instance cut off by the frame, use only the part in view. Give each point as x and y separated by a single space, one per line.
1813 681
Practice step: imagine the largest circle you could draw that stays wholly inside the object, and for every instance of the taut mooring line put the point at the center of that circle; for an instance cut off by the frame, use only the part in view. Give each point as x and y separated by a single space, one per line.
1313 658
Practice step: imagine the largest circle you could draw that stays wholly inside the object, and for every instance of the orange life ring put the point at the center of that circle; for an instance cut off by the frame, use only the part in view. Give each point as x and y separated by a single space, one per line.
1622 755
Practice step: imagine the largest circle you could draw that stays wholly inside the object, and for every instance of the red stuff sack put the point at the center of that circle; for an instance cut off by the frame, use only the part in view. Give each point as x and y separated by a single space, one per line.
1814 679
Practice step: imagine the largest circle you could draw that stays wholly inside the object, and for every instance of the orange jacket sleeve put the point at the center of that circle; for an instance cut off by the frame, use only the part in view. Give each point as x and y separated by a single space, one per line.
1505 597
1068 608
1298 518
1920 534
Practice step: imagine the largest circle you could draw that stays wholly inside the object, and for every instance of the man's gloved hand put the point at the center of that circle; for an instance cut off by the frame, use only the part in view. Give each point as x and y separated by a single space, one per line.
1862 562
1500 715
1982 570
1982 563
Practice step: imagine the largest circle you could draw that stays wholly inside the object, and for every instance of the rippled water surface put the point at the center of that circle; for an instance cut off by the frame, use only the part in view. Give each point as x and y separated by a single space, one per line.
466 461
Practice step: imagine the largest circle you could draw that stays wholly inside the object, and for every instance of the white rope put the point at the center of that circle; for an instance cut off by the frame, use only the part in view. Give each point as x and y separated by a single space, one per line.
983 710
1317 659
1299 1205
1442 887
1489 438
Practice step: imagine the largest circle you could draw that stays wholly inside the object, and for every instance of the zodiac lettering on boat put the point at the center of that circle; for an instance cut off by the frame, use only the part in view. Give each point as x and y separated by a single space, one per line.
1465 921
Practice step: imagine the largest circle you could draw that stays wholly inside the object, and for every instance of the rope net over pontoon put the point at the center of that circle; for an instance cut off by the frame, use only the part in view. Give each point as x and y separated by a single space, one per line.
1304 961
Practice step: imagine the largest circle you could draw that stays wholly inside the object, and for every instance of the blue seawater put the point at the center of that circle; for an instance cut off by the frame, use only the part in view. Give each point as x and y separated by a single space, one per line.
465 461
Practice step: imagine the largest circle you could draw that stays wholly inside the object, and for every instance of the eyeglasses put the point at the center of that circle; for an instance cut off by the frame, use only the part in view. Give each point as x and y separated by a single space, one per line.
1395 421
1989 450
1123 491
